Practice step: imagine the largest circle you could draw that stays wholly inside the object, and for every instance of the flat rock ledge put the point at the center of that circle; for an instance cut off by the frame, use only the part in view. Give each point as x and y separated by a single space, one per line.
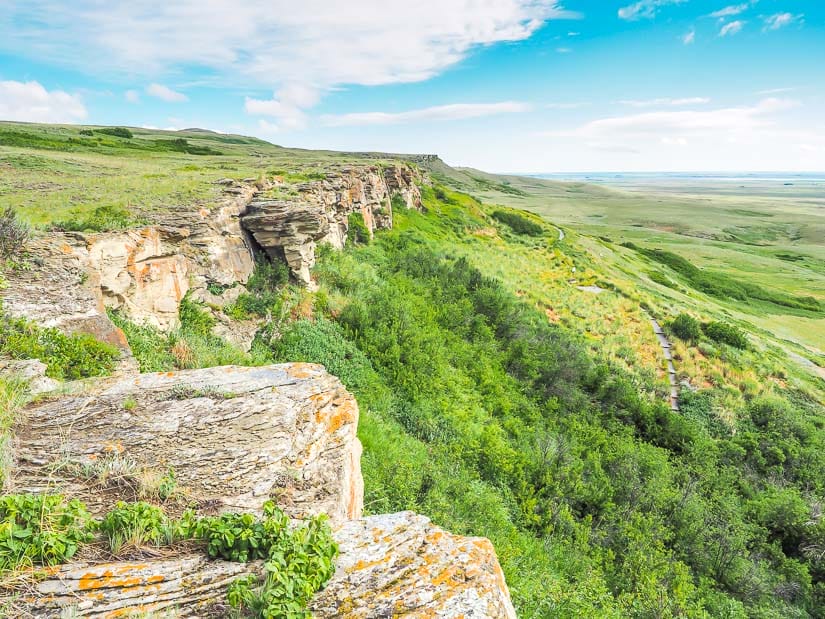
389 566
235 437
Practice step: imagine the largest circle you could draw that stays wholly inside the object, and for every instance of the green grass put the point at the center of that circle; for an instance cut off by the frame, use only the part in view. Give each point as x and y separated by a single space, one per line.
772 240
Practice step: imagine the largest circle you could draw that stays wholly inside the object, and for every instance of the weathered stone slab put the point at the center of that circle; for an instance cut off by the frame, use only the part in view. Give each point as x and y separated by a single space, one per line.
389 566
234 436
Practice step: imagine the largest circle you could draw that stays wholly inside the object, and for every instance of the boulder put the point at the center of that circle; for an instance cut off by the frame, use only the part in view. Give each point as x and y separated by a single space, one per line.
234 436
402 565
30 371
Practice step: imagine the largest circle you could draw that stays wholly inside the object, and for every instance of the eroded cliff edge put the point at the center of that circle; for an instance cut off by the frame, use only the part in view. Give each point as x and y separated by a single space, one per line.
234 436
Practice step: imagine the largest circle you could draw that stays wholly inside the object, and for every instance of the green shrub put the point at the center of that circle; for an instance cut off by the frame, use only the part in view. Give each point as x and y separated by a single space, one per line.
194 318
118 132
357 231
242 537
41 529
87 132
725 333
518 223
101 219
685 327
13 233
67 357
297 563
398 202
136 524
660 278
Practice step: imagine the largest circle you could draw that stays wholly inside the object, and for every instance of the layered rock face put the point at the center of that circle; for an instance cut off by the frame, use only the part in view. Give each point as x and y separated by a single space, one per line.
144 272
290 229
235 437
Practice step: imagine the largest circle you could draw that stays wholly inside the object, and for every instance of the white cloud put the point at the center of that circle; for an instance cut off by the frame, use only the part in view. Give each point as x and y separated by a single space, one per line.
573 34
287 106
645 9
166 94
780 20
731 28
31 102
315 43
730 11
563 50
455 111
665 101
689 38
775 91
132 96
677 124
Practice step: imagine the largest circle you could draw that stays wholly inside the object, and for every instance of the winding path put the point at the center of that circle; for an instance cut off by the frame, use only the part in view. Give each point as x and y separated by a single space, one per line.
671 369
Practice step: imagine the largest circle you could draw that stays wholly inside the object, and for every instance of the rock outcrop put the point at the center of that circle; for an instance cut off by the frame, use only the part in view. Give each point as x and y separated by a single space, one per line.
290 228
234 436
389 566
144 272
401 565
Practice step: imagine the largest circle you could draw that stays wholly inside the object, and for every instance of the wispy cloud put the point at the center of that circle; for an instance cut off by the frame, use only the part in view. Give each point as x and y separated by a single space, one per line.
166 94
132 96
665 101
780 20
689 38
563 50
731 11
320 45
731 28
31 102
774 91
683 123
455 111
644 9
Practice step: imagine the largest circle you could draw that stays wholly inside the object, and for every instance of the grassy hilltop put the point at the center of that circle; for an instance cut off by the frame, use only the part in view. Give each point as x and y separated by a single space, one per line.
510 383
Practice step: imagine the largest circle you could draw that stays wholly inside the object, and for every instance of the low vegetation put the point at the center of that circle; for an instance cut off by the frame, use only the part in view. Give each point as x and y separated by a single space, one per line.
67 357
518 223
47 529
481 413
13 234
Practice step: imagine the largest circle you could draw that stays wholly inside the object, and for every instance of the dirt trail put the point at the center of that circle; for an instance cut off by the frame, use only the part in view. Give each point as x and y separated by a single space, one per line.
671 369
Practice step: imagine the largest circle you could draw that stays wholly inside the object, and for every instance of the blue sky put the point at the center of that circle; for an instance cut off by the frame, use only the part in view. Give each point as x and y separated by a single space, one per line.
503 85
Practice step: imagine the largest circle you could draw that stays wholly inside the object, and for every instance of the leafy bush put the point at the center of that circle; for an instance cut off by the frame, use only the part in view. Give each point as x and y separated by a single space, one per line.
685 327
101 219
194 318
357 231
41 529
87 132
297 563
518 223
242 537
67 357
725 333
118 132
13 233
398 202
264 286
180 145
660 278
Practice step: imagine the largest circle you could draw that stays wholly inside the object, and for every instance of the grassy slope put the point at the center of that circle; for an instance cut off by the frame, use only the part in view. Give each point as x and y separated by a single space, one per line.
775 241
